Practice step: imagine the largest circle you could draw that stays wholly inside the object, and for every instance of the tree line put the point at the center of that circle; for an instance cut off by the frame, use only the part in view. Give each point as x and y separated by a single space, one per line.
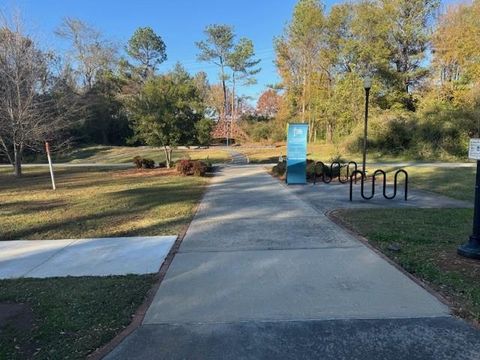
100 93
424 65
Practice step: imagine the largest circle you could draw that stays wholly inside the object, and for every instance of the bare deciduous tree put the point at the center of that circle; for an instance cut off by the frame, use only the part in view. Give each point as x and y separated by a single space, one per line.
91 53
35 105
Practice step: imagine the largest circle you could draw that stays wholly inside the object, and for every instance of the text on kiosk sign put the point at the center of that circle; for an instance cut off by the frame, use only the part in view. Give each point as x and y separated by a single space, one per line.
474 149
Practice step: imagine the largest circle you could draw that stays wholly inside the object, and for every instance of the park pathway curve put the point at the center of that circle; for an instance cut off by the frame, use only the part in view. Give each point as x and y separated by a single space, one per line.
261 274
238 158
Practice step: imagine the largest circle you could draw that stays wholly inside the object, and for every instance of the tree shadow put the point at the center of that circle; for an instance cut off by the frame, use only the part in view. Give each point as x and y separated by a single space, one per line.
29 207
141 201
83 153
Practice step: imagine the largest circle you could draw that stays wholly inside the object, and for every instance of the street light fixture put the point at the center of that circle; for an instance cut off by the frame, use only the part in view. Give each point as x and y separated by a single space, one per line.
367 84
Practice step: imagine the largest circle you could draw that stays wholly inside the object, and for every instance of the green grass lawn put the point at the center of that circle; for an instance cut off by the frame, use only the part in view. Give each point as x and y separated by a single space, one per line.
67 318
125 154
429 237
96 203
458 183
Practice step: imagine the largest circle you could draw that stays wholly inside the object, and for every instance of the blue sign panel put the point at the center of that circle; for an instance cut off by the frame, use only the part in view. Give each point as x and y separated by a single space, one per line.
297 153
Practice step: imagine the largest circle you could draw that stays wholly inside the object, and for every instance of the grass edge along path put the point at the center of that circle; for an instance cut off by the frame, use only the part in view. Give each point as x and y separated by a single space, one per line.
423 242
57 319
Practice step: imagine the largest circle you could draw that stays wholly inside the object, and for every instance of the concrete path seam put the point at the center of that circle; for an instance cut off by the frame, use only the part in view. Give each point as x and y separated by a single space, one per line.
271 249
289 320
56 253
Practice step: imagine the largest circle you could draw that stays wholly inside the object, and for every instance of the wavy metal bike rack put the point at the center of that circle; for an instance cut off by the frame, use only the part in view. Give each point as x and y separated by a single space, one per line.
375 174
328 179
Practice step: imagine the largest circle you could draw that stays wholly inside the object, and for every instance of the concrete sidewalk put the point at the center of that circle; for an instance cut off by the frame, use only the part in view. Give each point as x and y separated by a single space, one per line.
83 257
261 274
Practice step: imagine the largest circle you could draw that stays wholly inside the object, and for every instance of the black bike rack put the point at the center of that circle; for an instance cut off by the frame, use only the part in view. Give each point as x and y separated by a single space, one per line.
328 179
377 172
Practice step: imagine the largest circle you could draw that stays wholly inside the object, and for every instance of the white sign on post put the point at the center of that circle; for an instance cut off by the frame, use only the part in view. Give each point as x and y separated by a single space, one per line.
474 149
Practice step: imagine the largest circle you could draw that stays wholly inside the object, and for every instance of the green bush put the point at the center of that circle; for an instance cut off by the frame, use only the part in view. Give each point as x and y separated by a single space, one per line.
436 131
261 132
142 163
148 163
279 169
209 165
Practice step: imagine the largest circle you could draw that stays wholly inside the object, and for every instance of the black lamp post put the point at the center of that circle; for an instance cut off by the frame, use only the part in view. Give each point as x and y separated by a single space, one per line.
367 84
472 248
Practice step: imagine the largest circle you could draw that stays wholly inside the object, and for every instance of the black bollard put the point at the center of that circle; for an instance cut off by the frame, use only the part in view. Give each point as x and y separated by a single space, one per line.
472 248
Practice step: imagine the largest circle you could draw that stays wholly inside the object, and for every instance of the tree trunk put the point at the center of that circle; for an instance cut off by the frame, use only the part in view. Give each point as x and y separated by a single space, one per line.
304 95
17 165
233 98
329 133
168 156
224 88
232 117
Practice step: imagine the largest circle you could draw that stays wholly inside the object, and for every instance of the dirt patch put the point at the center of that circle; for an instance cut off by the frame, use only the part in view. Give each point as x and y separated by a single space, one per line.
18 316
451 261
18 319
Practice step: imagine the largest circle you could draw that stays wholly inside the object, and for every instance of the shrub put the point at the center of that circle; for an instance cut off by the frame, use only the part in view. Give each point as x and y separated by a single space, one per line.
137 160
141 163
328 170
261 132
192 167
338 158
184 167
209 165
199 168
389 133
279 169
310 168
148 163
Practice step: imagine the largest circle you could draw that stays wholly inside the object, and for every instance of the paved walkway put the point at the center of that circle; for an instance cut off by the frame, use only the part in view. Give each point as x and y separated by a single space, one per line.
238 158
261 274
325 197
83 257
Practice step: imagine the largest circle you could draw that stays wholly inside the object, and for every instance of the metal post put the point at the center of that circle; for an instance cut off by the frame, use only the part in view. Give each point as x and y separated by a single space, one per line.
47 148
367 94
228 132
472 248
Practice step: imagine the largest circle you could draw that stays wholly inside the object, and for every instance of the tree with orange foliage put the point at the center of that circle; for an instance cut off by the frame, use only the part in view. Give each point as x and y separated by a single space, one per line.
268 103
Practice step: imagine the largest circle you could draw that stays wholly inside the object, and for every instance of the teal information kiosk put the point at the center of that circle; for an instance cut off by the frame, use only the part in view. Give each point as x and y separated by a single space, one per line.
297 153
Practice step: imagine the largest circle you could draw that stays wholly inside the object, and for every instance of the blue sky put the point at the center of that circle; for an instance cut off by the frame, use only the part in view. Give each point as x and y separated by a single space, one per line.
179 22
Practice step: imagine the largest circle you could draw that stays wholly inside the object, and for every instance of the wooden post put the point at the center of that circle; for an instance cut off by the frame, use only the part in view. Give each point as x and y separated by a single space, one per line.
47 148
